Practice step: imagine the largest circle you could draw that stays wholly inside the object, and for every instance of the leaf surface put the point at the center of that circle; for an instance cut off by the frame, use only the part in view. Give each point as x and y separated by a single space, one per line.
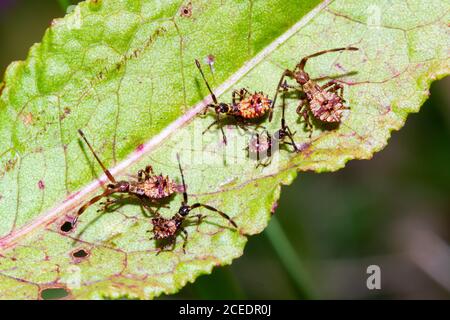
123 71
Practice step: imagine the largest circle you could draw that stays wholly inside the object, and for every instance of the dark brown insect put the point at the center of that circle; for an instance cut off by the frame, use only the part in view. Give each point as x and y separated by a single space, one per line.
265 144
167 229
325 102
148 187
245 106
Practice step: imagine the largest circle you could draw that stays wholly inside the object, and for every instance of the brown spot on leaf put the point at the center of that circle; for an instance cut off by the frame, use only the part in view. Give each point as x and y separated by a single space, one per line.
140 148
274 207
210 59
305 148
27 118
387 109
10 164
65 113
2 86
41 185
186 11
340 67
94 5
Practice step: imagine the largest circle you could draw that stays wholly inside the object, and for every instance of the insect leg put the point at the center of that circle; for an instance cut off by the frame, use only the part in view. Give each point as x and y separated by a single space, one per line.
269 142
291 137
339 88
285 129
341 92
146 206
330 83
223 214
217 121
149 170
108 203
140 176
224 137
286 73
235 99
264 164
244 92
185 240
268 157
95 199
145 174
209 127
257 147
170 241
334 86
300 106
302 111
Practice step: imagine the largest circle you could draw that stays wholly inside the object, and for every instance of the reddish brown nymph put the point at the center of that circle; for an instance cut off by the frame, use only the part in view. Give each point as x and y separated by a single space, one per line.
149 187
325 102
245 106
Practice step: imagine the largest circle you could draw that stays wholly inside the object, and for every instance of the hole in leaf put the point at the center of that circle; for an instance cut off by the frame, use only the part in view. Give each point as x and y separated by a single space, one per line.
54 293
66 226
80 253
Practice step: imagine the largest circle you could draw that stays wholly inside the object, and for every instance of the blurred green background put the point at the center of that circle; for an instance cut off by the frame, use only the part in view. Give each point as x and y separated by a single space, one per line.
392 211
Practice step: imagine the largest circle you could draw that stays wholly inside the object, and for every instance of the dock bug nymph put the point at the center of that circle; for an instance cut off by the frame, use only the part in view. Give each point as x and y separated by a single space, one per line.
325 102
245 106
148 187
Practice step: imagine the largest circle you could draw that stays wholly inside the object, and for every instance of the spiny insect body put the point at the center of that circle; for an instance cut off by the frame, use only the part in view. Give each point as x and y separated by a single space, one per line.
245 106
148 187
168 229
261 144
325 102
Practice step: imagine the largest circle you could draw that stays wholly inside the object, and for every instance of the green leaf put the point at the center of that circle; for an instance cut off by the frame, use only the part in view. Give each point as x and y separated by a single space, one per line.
123 71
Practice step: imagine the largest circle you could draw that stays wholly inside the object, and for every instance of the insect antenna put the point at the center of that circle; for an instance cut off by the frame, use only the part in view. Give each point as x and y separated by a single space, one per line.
185 196
213 96
302 63
221 213
106 171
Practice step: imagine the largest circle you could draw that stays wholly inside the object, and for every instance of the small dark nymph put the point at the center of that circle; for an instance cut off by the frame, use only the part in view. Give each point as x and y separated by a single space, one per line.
168 229
264 145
